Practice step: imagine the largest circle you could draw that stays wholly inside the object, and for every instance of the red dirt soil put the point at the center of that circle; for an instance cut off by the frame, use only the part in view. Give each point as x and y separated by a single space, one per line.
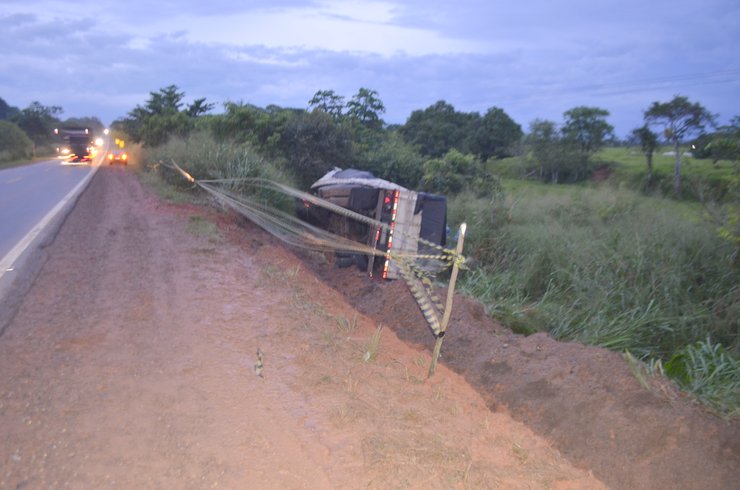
130 364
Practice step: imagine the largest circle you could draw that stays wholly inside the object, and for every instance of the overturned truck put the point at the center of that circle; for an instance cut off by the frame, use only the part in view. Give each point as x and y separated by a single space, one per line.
410 216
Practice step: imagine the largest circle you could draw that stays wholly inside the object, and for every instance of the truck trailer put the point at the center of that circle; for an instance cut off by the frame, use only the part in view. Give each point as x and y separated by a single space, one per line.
416 221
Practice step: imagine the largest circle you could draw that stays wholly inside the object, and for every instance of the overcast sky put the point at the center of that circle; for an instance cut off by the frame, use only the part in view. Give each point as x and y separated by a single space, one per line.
532 58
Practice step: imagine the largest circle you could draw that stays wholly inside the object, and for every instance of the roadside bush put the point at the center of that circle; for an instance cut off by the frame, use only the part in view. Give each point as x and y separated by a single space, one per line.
457 172
395 160
14 143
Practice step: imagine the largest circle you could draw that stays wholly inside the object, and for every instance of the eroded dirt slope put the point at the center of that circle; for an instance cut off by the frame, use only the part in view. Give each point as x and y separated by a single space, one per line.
129 364
585 400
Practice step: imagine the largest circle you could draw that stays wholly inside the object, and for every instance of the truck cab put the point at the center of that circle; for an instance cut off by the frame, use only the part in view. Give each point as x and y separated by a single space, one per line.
75 144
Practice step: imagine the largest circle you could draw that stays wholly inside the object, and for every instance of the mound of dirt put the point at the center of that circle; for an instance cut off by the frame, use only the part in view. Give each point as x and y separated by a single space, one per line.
584 399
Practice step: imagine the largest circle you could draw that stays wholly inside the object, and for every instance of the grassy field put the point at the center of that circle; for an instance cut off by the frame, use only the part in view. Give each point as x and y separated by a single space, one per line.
702 178
612 267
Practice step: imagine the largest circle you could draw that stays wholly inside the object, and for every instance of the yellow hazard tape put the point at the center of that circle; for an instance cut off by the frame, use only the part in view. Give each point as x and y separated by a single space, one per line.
295 231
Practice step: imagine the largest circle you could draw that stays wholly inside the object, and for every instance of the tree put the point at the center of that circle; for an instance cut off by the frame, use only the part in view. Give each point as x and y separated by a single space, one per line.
7 111
312 143
238 123
14 143
199 107
648 142
544 140
163 116
496 135
724 144
679 119
366 108
395 160
439 128
167 100
457 172
158 128
38 122
587 130
329 102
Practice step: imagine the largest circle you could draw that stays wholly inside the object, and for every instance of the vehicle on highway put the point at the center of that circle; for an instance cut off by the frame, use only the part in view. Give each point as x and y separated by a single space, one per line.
117 156
76 144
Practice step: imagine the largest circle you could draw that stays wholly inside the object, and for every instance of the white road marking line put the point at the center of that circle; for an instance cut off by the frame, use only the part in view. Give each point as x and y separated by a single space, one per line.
7 263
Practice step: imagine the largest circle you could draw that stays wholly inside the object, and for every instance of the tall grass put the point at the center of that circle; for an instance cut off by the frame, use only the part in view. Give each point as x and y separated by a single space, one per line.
708 371
605 267
206 158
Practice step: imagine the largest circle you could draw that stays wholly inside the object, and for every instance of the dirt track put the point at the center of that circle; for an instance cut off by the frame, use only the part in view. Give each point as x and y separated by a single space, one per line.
130 365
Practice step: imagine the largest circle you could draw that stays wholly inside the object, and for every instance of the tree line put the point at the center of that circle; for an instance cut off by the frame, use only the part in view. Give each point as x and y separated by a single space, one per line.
438 148
26 133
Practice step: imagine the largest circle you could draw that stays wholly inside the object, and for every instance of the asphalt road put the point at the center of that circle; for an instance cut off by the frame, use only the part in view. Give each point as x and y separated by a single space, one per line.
34 199
28 193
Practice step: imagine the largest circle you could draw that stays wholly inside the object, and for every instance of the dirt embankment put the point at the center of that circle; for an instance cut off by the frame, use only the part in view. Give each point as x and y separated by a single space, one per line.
130 364
585 400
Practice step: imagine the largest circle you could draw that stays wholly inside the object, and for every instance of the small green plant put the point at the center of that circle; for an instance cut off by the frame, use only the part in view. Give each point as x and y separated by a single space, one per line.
642 371
153 179
345 325
271 271
372 346
710 373
519 452
277 272
300 300
201 227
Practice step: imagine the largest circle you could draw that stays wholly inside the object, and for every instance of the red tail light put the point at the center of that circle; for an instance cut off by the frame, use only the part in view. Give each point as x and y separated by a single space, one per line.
390 234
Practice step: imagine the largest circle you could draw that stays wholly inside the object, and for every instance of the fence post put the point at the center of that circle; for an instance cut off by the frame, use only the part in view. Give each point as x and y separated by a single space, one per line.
448 304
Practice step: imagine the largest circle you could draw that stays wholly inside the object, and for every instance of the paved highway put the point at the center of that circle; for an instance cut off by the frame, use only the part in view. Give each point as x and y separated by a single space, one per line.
28 194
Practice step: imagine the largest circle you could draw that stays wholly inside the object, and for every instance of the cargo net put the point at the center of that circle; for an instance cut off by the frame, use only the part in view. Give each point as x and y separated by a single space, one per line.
271 206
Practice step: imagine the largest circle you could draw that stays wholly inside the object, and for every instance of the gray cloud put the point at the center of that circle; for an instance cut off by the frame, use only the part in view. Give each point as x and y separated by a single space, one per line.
540 58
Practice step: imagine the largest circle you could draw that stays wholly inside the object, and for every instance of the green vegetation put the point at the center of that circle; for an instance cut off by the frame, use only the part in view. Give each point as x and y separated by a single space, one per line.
702 179
200 226
14 144
679 119
206 158
371 350
626 261
608 267
708 371
162 116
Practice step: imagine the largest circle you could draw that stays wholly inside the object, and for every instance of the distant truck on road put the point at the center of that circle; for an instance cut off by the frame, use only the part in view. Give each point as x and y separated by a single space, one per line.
75 144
